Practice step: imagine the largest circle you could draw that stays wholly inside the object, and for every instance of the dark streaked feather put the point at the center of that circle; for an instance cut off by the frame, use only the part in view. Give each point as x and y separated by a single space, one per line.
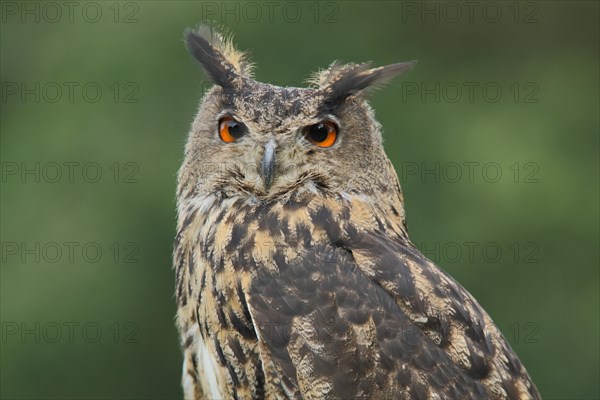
339 299
426 340
214 63
359 78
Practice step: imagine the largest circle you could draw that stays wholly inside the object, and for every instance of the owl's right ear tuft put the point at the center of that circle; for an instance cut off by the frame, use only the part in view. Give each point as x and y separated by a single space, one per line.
339 81
218 56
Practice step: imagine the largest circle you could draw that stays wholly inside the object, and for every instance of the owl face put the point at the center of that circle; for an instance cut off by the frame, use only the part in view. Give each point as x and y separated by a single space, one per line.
268 143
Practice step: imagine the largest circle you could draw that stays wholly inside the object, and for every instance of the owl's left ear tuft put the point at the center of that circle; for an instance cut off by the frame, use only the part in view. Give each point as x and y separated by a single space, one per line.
215 51
341 81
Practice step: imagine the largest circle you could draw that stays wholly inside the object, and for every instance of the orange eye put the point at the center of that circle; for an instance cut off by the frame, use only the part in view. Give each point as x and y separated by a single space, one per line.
230 130
322 134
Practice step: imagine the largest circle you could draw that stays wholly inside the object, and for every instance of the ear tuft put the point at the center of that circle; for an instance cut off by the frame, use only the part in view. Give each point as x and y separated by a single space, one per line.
217 54
341 81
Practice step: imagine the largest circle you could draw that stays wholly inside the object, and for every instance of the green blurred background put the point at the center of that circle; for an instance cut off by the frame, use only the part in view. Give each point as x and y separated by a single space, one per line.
88 326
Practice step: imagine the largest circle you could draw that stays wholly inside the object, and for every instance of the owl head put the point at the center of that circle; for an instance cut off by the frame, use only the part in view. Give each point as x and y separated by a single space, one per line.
269 143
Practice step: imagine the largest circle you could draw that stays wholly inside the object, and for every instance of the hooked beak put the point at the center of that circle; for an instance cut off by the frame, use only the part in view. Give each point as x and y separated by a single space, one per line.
267 164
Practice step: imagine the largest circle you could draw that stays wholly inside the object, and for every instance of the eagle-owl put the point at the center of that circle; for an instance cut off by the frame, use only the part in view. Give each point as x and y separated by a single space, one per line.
295 274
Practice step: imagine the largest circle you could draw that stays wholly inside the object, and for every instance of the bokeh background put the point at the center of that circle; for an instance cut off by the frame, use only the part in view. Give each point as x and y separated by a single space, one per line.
494 135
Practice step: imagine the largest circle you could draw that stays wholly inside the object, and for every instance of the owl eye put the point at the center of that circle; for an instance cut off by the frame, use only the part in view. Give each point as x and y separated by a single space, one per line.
322 134
230 130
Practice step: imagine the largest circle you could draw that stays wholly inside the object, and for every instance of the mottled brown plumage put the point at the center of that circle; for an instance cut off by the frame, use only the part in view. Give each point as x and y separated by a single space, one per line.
300 281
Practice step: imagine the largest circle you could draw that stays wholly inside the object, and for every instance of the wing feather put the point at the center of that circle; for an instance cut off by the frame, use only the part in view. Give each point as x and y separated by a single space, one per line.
334 332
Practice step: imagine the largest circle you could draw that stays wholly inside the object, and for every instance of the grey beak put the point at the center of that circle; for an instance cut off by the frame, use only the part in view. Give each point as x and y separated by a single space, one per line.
267 164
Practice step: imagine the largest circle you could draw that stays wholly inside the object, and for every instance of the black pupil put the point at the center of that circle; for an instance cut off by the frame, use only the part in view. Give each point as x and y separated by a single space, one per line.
235 129
318 132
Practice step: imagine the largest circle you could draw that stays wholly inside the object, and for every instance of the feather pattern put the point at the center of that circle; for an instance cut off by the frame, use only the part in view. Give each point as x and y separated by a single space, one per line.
340 308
